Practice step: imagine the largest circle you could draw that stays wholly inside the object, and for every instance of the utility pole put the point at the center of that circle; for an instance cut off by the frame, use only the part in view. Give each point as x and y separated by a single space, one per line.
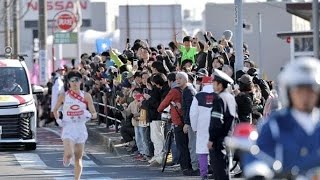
315 24
78 29
239 36
260 49
16 27
6 24
42 29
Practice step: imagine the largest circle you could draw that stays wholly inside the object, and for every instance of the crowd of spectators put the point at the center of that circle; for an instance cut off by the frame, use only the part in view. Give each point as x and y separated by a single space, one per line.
151 87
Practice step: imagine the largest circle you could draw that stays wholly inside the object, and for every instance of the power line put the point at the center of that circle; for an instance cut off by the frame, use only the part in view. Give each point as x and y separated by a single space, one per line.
10 4
25 12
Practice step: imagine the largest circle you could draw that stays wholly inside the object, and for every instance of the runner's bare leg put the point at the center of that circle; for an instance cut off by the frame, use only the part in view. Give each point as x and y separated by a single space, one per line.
78 153
68 149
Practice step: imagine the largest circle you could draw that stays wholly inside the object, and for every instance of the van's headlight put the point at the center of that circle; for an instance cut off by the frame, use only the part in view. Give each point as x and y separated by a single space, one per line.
26 103
27 115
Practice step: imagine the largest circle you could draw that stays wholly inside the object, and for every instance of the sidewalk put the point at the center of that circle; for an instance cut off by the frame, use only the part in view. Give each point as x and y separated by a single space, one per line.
108 138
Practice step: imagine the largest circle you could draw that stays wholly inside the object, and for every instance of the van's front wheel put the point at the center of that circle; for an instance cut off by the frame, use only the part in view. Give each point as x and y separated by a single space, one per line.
30 146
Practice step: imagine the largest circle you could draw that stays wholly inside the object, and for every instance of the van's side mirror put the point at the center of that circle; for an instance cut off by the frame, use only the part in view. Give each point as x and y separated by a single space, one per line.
37 89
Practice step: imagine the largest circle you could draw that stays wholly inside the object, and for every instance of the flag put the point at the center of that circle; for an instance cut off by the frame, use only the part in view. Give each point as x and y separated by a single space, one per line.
103 45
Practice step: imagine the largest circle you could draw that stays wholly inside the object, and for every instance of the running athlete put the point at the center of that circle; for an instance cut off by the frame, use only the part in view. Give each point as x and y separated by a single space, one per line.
74 116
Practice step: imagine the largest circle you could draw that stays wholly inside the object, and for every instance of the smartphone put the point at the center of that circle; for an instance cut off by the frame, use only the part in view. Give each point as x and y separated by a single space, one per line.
145 90
128 41
135 63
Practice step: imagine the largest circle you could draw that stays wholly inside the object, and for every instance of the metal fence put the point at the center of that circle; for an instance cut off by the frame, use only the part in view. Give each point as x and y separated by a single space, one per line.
109 118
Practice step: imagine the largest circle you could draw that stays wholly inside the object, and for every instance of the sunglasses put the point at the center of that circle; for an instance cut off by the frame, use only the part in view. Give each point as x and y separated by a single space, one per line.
74 79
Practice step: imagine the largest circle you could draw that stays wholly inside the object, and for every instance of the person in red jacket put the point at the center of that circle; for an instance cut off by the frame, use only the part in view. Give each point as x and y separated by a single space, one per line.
174 99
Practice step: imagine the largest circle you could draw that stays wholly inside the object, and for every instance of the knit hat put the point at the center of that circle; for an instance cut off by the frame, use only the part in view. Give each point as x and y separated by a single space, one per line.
245 79
182 75
138 97
228 34
206 80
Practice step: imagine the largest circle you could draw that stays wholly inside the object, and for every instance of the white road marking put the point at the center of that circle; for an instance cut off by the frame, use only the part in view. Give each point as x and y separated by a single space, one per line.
97 178
69 172
86 163
30 160
53 131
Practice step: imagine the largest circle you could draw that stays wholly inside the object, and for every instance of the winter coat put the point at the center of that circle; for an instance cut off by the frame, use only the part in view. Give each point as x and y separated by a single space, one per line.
175 96
223 115
201 60
187 97
200 115
163 93
152 104
245 106
57 88
133 109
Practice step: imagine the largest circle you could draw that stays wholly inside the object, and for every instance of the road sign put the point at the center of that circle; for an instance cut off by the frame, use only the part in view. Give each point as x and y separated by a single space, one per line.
43 67
65 38
66 21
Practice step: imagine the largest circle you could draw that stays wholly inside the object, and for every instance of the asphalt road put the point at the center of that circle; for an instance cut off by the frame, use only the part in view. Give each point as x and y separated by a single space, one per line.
46 163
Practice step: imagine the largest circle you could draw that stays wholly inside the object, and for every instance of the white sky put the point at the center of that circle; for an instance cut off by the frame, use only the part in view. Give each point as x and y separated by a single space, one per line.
195 6
186 4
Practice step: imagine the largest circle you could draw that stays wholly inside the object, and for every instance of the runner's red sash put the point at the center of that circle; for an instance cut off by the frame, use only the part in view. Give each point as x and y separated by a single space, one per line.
77 96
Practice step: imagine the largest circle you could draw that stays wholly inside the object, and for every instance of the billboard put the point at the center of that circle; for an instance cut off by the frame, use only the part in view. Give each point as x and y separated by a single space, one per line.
54 7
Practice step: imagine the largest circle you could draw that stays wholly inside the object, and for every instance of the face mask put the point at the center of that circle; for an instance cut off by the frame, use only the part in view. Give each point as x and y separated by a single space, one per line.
133 83
245 69
198 87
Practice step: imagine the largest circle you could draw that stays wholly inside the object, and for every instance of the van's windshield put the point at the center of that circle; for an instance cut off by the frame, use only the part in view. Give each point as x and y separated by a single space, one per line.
13 81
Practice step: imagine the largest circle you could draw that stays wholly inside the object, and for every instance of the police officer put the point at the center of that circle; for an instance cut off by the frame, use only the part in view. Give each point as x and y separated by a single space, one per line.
222 116
289 141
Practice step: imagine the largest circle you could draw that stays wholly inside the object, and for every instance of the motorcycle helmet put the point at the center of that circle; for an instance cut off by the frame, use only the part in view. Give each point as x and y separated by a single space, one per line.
301 71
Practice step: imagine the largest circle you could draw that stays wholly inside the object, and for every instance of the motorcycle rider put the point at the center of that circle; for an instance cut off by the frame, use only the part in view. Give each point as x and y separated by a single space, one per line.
288 144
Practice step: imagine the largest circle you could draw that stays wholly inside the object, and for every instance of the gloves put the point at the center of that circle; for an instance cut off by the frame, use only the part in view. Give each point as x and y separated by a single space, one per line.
59 122
87 115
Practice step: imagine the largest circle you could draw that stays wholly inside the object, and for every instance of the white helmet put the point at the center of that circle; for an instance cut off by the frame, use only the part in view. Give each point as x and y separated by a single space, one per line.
301 71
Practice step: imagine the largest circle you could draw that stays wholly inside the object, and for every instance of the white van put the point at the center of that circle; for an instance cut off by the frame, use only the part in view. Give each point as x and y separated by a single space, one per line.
18 114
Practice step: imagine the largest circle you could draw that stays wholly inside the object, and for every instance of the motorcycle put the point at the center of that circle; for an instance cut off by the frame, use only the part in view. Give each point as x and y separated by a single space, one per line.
243 140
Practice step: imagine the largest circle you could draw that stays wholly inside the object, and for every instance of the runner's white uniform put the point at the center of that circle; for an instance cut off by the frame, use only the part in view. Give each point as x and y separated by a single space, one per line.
74 119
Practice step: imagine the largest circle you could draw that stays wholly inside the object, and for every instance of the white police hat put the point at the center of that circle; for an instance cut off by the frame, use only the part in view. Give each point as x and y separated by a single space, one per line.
221 76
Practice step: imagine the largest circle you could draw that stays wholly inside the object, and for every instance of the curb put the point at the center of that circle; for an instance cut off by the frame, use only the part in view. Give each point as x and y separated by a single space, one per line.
101 136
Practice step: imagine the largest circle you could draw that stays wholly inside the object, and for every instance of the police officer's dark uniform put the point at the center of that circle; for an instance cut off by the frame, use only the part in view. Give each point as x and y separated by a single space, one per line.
222 116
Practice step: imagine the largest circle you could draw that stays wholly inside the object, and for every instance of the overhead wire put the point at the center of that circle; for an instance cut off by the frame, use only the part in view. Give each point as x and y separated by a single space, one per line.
25 12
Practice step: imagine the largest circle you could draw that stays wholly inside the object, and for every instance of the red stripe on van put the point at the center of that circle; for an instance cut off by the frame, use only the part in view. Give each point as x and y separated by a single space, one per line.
20 99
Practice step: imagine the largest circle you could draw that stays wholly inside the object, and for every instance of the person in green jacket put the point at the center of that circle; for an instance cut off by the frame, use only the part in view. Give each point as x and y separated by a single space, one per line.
188 52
